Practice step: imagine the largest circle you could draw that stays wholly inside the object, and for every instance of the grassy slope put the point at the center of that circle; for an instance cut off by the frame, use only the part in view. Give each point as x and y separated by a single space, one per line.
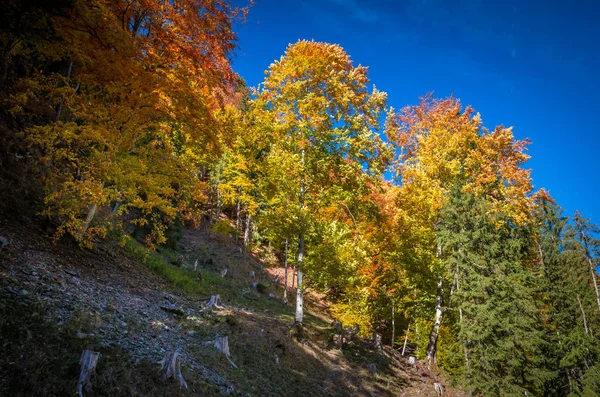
40 358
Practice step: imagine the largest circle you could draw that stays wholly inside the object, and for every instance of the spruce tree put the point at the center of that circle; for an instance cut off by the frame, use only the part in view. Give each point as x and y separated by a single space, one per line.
567 253
493 291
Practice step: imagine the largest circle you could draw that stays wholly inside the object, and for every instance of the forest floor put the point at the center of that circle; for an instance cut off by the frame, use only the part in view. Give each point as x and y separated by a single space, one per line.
133 306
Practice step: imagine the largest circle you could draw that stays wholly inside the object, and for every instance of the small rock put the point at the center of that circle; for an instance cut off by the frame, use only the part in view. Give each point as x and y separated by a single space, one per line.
3 241
23 292
173 309
74 281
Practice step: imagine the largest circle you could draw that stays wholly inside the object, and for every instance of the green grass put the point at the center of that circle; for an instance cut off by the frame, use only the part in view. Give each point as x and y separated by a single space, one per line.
184 280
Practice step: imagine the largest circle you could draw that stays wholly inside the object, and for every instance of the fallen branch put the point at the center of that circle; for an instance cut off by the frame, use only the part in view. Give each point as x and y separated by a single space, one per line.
171 364
88 362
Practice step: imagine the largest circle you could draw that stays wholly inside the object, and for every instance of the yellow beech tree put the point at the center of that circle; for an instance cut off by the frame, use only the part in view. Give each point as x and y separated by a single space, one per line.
325 122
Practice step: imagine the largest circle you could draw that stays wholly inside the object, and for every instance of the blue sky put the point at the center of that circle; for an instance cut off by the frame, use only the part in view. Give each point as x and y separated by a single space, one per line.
529 64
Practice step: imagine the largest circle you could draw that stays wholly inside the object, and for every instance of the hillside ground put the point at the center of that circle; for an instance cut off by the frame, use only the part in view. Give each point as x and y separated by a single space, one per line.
133 306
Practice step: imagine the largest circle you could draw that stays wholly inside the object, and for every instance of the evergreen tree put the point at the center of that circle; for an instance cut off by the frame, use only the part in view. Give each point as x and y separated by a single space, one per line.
500 326
572 314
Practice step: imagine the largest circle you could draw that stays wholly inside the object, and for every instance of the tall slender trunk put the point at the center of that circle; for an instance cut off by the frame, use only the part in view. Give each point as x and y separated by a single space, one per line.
300 290
60 104
588 256
300 293
583 314
594 277
393 324
435 330
285 275
293 277
237 220
406 338
247 231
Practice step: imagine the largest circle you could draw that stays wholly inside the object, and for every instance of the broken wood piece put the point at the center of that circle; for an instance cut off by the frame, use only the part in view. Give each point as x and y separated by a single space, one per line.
438 389
222 345
171 364
88 362
252 274
223 273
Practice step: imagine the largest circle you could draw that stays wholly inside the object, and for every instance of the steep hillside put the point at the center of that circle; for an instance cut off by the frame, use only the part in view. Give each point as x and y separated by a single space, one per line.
133 306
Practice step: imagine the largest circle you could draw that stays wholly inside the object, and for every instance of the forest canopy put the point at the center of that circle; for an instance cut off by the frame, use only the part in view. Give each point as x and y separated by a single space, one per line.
419 224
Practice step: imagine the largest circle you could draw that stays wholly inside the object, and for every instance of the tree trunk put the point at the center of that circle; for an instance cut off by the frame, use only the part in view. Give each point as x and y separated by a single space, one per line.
435 330
583 314
60 104
406 339
88 219
300 293
285 276
393 324
594 278
589 259
247 231
237 220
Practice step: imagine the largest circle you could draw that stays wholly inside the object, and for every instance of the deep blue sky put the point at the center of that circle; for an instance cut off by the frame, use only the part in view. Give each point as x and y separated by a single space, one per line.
528 64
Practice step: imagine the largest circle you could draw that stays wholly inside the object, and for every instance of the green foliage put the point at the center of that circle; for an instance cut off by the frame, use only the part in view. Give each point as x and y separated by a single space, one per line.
499 322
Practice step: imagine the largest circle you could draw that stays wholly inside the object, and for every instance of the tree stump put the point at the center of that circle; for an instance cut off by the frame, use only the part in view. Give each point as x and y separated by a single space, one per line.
372 368
222 345
377 343
338 341
214 303
412 361
88 362
171 364
438 389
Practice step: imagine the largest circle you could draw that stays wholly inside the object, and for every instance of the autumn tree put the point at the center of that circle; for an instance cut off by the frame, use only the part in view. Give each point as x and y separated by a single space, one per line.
325 122
131 110
440 145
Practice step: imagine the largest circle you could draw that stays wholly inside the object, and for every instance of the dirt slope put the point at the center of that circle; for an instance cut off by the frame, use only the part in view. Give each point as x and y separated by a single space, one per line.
56 300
